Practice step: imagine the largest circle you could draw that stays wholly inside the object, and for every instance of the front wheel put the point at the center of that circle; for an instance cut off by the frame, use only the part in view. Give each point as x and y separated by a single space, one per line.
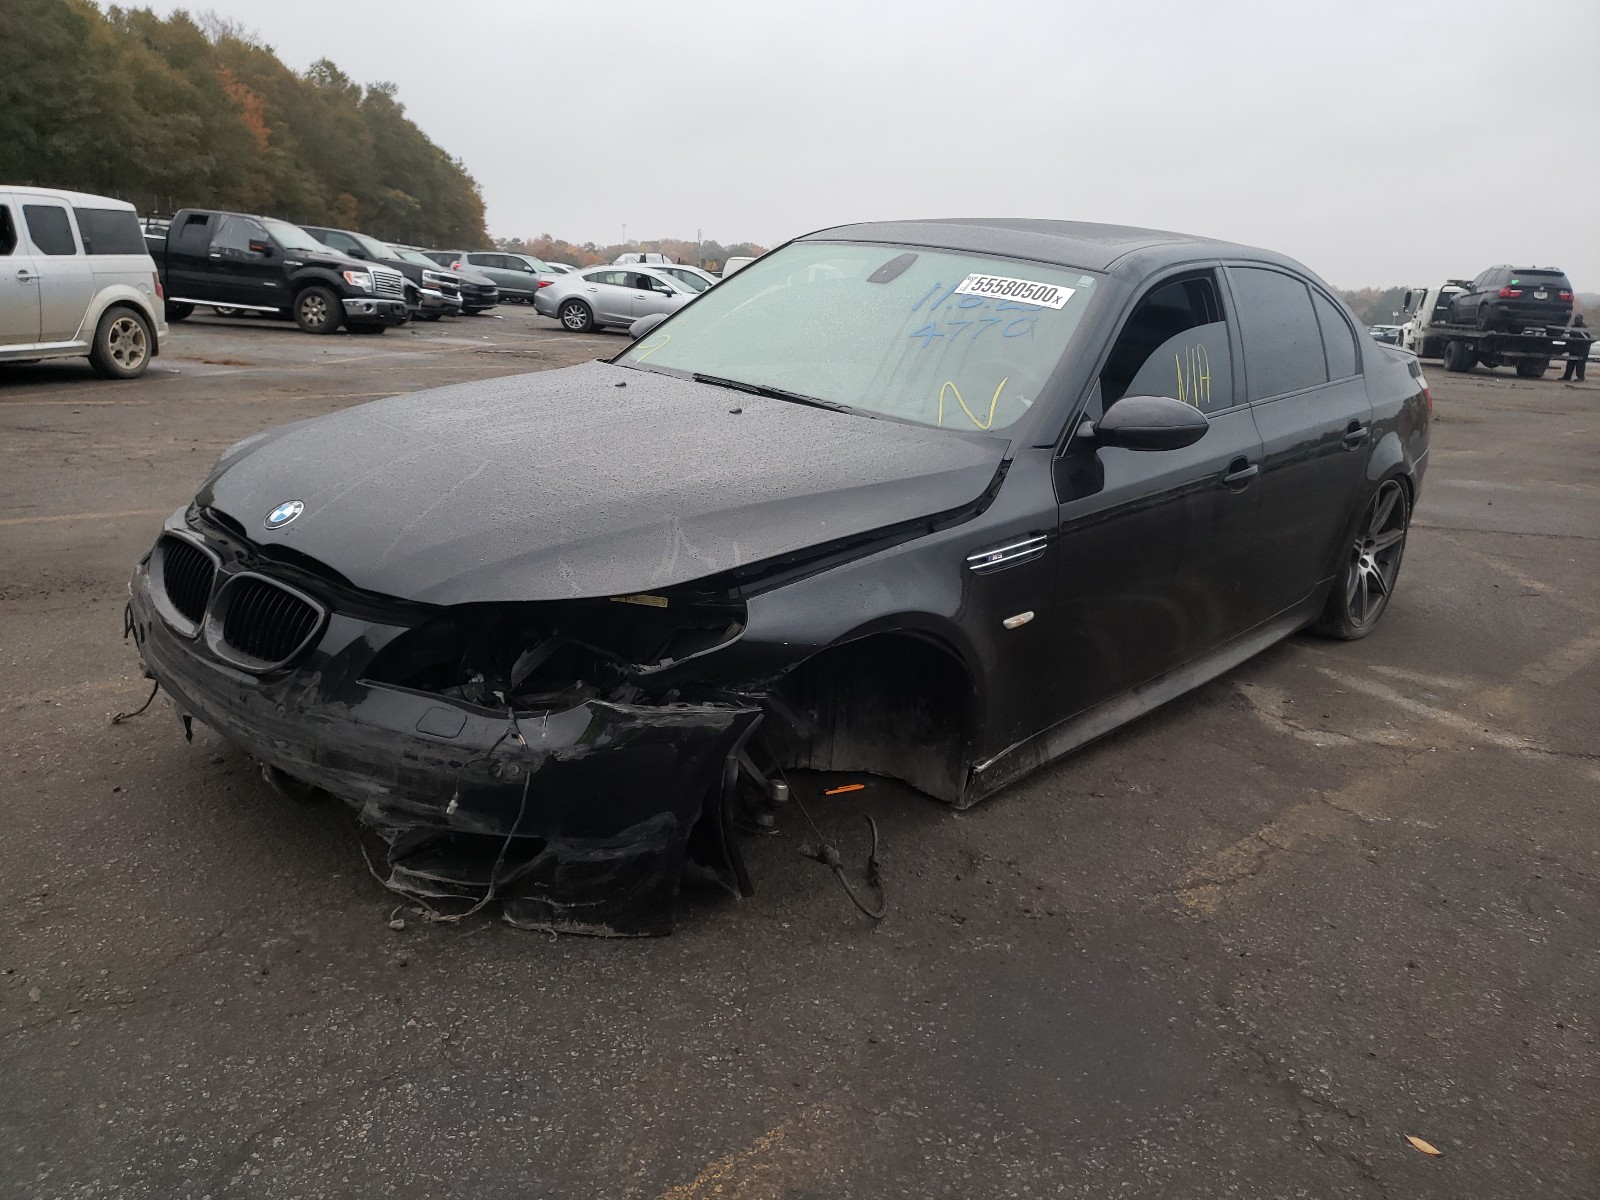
122 344
317 310
1362 590
575 315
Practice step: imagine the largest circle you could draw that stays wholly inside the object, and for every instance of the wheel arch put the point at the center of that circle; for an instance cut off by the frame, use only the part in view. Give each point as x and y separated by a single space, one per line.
122 295
895 699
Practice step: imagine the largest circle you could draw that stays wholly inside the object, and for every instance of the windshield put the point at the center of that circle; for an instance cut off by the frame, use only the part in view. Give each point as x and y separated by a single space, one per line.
695 283
292 237
414 256
953 340
373 246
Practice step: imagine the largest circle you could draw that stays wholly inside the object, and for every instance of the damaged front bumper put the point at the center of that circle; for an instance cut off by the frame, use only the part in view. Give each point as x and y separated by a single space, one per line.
579 815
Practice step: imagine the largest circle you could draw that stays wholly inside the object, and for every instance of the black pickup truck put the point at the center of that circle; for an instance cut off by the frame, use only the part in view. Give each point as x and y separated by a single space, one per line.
239 261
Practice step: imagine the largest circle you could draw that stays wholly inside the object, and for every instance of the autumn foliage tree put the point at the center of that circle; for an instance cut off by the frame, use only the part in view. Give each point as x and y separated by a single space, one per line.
173 112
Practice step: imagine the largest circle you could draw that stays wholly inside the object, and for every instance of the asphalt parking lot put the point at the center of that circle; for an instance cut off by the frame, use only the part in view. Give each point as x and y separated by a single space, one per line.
1244 947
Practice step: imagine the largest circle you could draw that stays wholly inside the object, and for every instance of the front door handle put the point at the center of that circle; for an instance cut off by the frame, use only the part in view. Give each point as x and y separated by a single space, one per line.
26 276
1355 435
1240 472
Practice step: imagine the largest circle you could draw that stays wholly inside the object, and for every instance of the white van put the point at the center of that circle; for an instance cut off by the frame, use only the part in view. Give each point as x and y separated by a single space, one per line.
76 280
735 264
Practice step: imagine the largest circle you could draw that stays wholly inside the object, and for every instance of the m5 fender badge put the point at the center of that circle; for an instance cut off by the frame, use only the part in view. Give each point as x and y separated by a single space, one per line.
283 514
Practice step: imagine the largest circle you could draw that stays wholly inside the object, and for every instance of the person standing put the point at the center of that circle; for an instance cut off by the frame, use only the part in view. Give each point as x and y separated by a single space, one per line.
1578 339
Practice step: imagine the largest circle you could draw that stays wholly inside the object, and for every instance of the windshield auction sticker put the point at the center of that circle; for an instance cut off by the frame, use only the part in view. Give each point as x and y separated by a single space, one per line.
1022 291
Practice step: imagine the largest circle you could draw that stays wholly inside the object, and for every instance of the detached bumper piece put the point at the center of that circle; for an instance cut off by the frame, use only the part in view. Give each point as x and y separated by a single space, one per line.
579 811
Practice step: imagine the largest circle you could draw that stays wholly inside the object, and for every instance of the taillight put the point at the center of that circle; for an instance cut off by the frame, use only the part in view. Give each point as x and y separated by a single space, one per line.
1510 293
161 293
546 282
455 266
1564 295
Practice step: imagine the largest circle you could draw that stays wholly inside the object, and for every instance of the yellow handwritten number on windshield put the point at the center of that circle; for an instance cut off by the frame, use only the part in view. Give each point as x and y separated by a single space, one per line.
647 350
949 385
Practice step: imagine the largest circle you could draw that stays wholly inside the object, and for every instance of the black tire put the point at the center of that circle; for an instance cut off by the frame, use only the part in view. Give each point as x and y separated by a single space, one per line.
178 310
1485 320
223 310
317 310
1533 368
122 344
575 316
1458 356
369 329
472 312
1371 566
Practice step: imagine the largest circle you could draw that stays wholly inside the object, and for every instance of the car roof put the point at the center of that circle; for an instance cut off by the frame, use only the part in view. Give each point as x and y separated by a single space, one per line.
76 199
1112 249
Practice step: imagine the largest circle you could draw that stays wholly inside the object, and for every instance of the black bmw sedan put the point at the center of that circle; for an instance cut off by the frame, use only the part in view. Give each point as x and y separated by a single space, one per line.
937 500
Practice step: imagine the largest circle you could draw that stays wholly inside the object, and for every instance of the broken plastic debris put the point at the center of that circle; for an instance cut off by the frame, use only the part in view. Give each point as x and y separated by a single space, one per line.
1426 1147
849 787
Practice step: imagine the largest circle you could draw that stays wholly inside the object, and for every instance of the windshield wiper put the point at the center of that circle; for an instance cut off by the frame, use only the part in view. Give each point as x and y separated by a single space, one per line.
776 393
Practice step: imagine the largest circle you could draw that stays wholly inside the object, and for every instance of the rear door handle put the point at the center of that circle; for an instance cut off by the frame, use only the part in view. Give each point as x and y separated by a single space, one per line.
1355 435
1240 471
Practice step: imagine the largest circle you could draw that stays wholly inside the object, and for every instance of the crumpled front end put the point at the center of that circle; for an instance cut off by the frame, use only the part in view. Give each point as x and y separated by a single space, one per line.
520 750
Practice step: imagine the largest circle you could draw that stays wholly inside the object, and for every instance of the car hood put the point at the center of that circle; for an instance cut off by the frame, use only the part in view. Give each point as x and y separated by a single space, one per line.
590 481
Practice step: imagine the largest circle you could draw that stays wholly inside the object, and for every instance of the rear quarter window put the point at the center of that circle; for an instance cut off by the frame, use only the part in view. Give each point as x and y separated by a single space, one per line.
49 228
8 230
1282 340
110 231
1337 340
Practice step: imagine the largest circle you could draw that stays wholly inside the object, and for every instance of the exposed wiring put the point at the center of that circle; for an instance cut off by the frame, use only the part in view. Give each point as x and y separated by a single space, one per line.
148 701
433 913
828 855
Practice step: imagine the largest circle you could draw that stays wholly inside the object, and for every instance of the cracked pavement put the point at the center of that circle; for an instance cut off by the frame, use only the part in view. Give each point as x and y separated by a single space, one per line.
1243 947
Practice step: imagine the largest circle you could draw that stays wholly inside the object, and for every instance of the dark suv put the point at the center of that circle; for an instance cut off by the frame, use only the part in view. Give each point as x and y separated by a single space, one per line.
1513 298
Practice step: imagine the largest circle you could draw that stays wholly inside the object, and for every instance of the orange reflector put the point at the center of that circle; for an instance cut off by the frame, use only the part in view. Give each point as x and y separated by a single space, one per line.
849 787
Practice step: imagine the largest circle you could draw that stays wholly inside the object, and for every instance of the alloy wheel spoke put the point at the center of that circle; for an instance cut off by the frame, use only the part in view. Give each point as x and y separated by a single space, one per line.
1378 583
1384 540
1385 507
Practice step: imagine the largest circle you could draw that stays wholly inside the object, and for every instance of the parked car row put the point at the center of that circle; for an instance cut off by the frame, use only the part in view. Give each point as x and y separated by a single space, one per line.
92 279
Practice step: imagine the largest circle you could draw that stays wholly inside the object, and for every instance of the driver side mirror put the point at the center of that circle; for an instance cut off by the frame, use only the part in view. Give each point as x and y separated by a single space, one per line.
356 252
645 324
1151 423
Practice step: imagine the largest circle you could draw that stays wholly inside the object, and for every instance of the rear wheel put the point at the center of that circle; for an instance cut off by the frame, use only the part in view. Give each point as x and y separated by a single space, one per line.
122 344
1533 368
177 310
317 310
1372 565
575 315
1458 356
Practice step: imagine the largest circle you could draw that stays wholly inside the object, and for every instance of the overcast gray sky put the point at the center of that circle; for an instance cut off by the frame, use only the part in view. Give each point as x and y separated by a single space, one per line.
1379 141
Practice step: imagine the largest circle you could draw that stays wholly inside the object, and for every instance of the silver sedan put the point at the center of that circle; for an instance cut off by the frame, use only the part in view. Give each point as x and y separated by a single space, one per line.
610 297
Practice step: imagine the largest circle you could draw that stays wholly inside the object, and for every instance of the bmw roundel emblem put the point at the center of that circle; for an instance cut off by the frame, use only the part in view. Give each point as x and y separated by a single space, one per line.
283 514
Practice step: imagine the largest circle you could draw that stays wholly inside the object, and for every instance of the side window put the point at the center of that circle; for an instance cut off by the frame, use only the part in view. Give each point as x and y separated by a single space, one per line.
338 241
49 228
613 278
110 231
1282 342
8 230
1337 342
1175 344
234 236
